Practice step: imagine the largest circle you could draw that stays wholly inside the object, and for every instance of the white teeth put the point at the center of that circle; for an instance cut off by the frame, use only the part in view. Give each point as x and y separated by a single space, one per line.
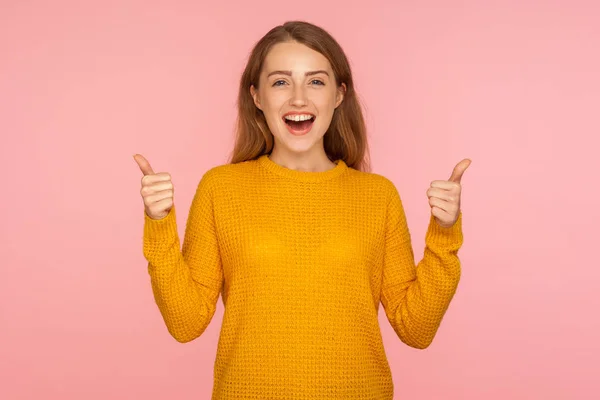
302 117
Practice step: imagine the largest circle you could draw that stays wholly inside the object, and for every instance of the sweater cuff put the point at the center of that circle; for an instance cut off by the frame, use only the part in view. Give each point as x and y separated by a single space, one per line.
160 229
447 237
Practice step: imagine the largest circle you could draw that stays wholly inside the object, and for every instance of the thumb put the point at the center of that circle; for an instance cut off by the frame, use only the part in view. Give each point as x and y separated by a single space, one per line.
143 164
459 170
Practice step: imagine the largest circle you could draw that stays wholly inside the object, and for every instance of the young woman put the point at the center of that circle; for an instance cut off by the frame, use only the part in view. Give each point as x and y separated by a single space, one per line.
299 239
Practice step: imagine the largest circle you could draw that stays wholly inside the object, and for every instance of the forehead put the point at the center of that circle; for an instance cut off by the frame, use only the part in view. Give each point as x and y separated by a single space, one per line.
293 56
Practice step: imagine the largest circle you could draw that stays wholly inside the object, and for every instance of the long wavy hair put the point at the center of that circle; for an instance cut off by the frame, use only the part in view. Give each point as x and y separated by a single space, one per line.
346 137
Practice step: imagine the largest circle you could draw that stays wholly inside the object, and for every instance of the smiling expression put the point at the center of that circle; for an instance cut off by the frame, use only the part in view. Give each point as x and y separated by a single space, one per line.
298 94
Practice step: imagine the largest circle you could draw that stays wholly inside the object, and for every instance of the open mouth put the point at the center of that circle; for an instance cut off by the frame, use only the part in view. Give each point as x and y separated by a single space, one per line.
299 125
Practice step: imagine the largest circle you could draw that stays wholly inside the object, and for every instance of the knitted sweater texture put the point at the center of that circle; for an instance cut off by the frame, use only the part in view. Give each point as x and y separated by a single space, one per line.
302 261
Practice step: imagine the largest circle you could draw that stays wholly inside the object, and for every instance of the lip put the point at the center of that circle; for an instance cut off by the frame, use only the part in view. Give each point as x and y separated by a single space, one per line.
298 113
302 133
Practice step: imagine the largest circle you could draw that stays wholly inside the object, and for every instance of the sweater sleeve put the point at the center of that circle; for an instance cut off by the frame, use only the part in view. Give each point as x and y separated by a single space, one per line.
415 298
186 284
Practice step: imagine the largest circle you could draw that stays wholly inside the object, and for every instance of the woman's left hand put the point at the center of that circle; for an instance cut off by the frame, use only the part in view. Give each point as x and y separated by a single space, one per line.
444 196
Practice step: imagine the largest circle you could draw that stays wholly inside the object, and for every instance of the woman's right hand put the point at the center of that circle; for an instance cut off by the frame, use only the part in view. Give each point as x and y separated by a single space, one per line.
157 190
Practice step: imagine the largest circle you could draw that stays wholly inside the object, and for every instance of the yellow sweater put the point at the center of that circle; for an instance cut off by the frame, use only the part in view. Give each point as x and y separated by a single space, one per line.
302 261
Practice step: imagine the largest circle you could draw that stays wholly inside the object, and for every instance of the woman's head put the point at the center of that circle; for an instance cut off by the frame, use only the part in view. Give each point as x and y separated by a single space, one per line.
299 68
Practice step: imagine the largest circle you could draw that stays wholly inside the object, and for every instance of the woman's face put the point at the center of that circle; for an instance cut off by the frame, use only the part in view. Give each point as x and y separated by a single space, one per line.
297 94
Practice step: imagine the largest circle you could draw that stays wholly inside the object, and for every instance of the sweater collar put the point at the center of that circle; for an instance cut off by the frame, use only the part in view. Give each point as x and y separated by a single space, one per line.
302 176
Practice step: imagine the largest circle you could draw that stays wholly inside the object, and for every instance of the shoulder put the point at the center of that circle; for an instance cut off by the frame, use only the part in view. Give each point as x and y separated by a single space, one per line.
225 174
374 181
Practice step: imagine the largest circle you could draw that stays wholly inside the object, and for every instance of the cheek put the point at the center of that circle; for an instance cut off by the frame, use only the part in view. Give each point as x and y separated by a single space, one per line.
275 98
271 108
325 101
273 105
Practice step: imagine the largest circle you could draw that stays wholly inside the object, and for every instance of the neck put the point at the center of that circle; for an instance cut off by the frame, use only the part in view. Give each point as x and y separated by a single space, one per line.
303 162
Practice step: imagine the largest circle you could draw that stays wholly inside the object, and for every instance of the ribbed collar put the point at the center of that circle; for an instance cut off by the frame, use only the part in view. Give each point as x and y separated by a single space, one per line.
302 176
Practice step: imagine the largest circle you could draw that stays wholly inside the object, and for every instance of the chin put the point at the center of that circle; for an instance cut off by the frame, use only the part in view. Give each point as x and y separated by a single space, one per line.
305 141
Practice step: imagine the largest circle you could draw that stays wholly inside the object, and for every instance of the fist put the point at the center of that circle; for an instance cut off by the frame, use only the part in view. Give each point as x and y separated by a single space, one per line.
444 196
157 190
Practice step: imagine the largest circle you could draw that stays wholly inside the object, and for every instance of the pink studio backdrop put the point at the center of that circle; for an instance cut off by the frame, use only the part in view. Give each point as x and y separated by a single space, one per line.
513 85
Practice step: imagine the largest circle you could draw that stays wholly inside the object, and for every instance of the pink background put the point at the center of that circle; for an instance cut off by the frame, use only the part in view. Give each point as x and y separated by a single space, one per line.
513 85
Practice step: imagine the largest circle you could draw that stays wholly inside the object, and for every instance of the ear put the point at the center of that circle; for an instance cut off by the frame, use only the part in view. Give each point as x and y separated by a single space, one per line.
341 91
254 94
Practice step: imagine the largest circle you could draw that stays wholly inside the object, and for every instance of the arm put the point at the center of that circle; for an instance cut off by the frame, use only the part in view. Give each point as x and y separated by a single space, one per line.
415 298
186 284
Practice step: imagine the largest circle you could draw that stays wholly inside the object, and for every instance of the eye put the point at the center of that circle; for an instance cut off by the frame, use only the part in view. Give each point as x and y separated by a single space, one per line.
318 82
276 83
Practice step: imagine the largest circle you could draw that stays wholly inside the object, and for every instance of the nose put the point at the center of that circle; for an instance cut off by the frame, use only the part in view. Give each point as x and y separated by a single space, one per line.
299 96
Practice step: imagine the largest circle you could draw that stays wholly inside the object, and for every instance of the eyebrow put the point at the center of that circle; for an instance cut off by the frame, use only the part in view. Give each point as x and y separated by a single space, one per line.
289 73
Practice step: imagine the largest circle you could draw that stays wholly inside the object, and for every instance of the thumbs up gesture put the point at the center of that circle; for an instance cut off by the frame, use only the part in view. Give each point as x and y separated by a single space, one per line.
444 196
157 190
